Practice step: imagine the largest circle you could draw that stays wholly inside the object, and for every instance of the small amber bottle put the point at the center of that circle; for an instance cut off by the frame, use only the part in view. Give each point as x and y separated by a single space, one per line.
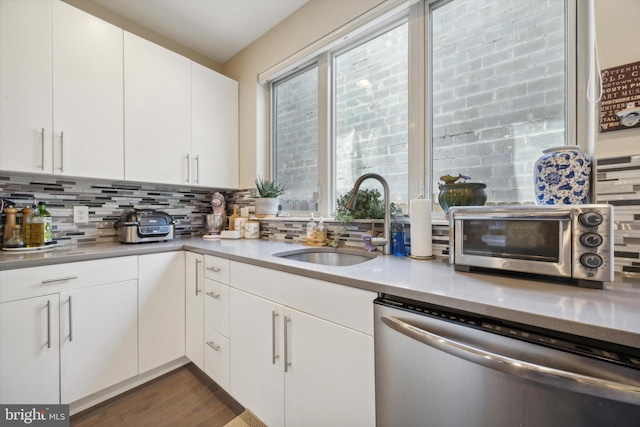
232 218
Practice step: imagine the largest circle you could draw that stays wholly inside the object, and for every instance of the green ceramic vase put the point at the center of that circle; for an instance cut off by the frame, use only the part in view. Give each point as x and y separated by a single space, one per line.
462 194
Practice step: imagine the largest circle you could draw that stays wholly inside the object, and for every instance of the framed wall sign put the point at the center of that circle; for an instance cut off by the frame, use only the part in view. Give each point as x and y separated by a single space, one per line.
620 104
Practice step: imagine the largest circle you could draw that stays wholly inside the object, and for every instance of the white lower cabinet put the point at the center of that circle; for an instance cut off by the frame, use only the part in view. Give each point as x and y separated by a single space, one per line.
98 338
293 368
29 351
161 309
67 330
217 357
257 365
194 296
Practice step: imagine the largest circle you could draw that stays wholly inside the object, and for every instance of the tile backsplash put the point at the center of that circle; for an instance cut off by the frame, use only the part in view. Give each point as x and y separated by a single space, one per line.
618 183
106 200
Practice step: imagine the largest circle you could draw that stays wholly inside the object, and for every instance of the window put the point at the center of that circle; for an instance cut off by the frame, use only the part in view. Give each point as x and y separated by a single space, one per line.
366 88
295 127
371 113
499 91
476 87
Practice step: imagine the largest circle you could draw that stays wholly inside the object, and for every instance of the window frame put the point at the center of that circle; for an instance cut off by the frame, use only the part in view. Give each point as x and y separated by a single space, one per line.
420 132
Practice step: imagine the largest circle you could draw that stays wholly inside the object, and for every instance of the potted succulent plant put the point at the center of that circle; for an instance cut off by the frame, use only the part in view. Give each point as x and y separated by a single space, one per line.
267 202
454 193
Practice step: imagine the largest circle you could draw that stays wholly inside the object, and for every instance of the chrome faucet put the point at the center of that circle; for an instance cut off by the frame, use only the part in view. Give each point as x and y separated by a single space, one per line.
351 205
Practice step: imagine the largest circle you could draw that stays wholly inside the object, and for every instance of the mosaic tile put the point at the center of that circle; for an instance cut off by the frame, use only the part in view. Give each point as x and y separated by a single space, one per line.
618 183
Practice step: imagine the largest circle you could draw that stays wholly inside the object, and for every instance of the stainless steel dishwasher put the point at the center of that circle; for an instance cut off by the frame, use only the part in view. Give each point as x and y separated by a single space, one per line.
439 367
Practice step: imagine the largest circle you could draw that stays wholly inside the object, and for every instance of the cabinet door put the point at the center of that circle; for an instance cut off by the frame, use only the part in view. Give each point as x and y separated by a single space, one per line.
161 309
217 357
25 86
29 351
257 369
216 306
194 295
214 141
88 95
330 364
99 338
157 99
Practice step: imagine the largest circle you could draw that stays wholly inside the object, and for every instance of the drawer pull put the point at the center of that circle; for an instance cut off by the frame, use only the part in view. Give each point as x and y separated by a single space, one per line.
61 279
197 275
70 321
213 345
274 356
48 323
287 362
213 295
214 269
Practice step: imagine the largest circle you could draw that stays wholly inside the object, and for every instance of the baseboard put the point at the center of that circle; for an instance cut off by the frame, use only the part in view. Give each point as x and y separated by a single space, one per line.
113 391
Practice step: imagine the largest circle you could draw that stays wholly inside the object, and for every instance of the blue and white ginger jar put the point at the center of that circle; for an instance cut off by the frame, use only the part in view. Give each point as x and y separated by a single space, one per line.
562 176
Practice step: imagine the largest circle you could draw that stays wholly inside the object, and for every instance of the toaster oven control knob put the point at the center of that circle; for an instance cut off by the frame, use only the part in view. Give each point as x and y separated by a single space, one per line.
591 240
590 219
591 260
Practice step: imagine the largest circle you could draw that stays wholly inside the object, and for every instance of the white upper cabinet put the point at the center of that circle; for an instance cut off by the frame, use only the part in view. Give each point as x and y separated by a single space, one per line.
26 86
61 91
214 124
157 111
87 95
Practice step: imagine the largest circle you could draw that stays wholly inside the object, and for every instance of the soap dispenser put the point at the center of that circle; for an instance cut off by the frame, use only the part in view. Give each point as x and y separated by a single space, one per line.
321 232
312 228
398 233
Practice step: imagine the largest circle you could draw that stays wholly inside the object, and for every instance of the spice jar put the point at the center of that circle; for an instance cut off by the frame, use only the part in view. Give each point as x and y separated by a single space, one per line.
16 240
9 224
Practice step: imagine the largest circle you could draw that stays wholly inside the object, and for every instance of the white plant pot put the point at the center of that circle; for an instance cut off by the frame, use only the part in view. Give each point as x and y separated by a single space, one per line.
267 207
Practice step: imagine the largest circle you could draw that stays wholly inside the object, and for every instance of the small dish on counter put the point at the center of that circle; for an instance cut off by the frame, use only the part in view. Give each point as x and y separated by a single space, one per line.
34 249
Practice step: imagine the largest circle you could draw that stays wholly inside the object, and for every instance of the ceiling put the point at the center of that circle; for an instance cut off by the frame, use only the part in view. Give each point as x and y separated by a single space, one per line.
217 29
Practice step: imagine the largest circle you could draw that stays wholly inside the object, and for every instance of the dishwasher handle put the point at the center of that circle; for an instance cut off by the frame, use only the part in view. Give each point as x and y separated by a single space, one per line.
571 381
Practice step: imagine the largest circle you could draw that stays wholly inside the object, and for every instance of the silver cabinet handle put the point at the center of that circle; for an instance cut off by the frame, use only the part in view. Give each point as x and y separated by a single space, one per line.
70 322
60 279
274 356
541 374
197 169
287 363
188 167
61 152
197 274
213 295
42 145
214 269
213 345
48 323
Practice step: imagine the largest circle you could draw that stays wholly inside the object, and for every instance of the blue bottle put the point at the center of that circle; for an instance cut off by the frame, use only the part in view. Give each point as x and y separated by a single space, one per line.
398 234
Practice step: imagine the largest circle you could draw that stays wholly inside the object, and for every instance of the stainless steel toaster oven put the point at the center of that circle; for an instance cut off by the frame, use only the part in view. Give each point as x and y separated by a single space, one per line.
570 243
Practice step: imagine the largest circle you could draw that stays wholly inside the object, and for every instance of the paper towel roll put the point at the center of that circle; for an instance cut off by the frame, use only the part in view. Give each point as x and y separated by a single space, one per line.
420 216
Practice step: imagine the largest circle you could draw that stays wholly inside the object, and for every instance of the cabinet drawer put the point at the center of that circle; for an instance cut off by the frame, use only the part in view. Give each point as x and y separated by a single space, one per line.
216 357
31 282
344 305
216 269
216 306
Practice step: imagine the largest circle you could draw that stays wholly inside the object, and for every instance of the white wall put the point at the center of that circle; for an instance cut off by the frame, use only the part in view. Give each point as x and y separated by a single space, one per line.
306 25
618 32
616 20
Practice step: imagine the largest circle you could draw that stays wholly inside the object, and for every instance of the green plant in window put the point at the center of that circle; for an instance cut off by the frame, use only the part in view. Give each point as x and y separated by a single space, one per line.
369 205
268 189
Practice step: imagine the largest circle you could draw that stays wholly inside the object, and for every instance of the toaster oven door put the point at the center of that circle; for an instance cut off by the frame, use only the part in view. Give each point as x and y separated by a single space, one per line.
528 244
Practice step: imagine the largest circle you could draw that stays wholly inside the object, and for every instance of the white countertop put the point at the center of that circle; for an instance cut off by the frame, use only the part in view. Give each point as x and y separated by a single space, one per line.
611 314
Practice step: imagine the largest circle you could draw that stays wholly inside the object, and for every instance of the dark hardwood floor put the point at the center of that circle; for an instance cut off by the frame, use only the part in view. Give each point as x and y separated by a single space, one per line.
185 397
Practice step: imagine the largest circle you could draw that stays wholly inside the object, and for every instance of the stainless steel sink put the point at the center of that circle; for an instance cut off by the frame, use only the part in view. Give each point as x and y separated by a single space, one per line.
327 256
